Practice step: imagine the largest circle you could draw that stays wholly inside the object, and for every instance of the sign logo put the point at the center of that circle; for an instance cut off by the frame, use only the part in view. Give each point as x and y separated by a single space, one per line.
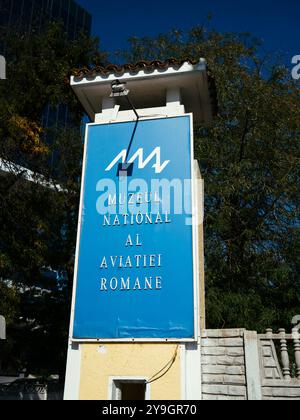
142 163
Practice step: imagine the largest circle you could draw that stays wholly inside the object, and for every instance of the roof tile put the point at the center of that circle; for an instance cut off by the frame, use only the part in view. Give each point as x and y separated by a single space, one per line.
147 66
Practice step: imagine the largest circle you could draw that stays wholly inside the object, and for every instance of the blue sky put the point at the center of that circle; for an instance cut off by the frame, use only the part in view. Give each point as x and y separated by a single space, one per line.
276 22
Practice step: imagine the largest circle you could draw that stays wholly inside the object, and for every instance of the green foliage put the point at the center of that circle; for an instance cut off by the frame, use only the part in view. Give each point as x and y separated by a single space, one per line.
38 224
38 73
9 303
250 160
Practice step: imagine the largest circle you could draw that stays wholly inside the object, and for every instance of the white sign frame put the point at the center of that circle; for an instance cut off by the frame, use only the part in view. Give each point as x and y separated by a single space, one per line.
195 221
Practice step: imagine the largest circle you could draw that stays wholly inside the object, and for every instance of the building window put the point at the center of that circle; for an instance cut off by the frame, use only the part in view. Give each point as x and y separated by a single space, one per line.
129 389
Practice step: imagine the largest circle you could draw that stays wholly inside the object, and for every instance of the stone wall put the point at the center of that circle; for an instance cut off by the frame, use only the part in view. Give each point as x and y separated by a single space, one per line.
281 390
274 386
240 365
223 365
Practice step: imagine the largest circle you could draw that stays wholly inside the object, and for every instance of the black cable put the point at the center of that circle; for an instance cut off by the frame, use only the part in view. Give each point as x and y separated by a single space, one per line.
165 369
135 127
121 91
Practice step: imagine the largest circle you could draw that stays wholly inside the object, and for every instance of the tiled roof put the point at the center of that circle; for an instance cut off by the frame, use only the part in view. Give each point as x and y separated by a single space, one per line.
149 67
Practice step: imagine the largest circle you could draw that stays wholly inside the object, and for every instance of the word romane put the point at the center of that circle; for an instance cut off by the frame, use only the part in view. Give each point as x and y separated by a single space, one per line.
127 284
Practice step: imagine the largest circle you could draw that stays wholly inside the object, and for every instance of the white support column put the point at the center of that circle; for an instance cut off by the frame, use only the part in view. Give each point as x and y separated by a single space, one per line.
109 110
173 100
174 96
191 375
72 383
199 194
252 362
191 363
193 369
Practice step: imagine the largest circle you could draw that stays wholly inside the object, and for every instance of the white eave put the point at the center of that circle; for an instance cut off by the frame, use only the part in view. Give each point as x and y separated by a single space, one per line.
149 87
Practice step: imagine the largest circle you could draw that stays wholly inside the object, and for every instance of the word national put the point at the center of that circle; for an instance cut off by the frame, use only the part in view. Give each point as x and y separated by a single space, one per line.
138 219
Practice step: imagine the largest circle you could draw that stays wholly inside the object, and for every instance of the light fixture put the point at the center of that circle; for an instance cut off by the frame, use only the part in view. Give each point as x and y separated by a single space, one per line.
118 89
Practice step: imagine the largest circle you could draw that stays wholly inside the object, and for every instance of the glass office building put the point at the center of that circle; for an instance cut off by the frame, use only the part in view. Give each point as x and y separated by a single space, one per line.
29 15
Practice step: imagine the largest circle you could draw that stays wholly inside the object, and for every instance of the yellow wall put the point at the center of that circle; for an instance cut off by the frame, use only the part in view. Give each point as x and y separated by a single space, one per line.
98 364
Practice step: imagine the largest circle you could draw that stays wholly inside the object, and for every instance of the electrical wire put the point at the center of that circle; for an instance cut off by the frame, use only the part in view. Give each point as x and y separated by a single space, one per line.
165 369
135 127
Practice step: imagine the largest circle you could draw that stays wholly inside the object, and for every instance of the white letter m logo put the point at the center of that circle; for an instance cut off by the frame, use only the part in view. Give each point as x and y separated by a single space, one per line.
139 155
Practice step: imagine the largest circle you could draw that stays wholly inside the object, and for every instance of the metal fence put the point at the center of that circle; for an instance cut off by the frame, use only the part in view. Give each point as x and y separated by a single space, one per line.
30 392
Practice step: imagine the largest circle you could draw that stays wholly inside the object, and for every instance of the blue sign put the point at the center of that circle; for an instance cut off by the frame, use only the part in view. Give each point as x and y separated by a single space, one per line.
135 276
